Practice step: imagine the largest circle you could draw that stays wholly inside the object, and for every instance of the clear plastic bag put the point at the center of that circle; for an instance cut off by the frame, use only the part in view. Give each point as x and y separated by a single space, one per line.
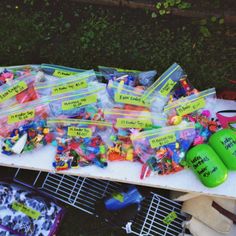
130 77
23 128
194 109
10 73
80 142
162 151
68 85
85 104
128 97
20 91
160 90
125 123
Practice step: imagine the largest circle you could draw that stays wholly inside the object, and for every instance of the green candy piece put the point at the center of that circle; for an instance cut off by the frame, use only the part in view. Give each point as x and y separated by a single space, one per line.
102 149
224 144
207 165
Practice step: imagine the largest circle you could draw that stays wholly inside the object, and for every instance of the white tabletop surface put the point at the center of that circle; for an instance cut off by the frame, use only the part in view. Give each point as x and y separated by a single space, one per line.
127 172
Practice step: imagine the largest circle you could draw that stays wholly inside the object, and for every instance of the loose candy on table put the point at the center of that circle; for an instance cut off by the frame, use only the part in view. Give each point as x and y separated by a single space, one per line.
129 77
80 143
163 151
125 123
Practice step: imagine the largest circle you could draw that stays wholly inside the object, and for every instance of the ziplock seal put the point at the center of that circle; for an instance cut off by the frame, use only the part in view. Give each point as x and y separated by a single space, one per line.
165 130
160 80
190 99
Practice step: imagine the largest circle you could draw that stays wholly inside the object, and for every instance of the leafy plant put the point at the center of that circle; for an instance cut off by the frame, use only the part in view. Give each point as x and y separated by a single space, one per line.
165 6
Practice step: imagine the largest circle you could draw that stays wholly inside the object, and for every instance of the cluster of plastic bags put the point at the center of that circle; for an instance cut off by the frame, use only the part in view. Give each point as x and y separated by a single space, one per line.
131 117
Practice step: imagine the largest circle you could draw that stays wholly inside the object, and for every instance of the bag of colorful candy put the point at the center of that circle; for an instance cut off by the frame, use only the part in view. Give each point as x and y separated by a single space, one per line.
70 84
195 108
80 142
162 151
60 71
128 97
27 211
20 91
160 90
84 104
129 77
124 124
23 127
10 73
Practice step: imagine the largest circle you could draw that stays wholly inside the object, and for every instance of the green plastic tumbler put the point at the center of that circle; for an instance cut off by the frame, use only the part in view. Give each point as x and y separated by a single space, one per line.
207 165
224 144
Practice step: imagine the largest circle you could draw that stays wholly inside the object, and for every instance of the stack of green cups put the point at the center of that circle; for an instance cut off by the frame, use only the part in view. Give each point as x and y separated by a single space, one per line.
211 162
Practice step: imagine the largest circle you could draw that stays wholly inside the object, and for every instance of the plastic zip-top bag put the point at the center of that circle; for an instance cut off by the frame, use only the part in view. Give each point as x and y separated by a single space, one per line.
60 71
161 89
23 128
129 77
69 84
20 91
9 73
127 97
85 104
195 108
162 151
80 142
124 124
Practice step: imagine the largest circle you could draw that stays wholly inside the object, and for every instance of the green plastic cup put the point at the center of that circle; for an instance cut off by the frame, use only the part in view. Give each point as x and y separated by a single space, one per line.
224 144
207 165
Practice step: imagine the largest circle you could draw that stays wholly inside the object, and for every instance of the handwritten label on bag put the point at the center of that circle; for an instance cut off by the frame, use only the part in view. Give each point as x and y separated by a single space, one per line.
13 91
170 218
69 87
63 74
71 104
133 123
133 100
162 140
190 107
20 116
17 206
79 132
168 86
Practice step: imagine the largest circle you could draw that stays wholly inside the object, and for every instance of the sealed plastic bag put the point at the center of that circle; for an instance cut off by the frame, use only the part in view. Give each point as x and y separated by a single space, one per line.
85 104
128 97
163 150
160 90
80 142
23 128
20 91
68 85
129 77
10 73
60 71
194 108
27 211
125 123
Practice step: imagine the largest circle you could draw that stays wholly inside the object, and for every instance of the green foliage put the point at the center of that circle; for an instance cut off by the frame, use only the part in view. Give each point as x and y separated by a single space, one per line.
164 7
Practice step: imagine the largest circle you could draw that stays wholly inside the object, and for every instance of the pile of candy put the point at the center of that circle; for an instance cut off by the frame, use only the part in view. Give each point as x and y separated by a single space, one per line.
133 117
